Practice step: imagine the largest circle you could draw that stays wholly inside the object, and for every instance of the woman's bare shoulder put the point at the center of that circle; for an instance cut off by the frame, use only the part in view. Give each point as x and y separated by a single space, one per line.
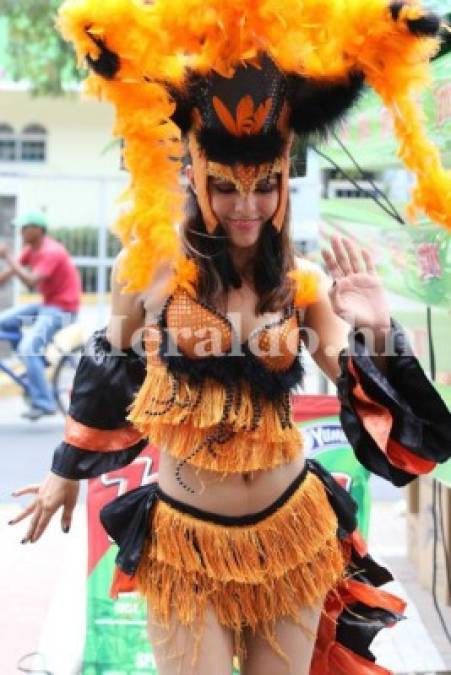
311 266
131 310
155 296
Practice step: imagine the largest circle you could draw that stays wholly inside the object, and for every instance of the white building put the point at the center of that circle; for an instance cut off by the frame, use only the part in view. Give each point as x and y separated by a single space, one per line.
56 156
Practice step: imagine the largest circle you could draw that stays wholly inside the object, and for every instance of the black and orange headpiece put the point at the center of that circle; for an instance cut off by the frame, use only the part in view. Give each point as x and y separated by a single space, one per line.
237 129
240 127
237 80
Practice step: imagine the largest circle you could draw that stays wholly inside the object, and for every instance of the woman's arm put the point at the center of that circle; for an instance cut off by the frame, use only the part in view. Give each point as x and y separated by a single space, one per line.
354 301
396 422
129 311
325 333
98 437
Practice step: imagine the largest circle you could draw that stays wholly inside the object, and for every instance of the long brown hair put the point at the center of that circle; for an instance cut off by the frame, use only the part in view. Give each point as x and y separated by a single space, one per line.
217 274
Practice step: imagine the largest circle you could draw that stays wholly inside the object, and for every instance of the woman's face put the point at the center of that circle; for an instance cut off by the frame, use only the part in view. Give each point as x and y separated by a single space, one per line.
243 216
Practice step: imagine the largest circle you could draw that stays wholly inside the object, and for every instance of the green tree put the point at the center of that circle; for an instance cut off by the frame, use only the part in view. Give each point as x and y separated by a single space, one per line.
35 52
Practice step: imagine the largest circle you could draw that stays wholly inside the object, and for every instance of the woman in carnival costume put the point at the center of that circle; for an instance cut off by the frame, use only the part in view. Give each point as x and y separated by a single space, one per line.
244 547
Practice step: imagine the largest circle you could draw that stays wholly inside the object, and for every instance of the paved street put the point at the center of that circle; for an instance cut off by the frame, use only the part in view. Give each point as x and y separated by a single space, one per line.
27 447
35 580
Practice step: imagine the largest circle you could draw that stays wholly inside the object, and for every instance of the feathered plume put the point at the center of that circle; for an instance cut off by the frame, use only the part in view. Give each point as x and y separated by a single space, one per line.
140 51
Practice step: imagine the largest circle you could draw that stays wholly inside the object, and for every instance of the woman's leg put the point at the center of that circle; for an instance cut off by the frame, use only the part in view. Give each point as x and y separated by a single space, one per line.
295 640
178 650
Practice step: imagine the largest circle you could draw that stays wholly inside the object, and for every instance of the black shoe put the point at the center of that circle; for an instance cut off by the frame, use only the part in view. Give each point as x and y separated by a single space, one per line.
34 413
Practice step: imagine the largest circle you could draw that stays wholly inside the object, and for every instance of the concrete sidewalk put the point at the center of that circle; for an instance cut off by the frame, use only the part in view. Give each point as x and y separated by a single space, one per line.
43 597
418 644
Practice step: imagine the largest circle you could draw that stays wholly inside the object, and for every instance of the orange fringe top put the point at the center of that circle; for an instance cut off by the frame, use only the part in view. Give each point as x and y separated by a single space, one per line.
214 426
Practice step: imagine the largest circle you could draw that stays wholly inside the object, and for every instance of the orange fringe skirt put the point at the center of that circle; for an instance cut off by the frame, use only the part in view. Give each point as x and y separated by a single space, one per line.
301 551
251 570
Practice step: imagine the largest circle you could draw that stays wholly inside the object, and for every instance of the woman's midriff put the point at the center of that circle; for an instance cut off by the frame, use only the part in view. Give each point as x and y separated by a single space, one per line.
235 494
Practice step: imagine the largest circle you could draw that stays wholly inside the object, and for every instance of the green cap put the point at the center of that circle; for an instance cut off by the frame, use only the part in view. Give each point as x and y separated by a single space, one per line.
36 218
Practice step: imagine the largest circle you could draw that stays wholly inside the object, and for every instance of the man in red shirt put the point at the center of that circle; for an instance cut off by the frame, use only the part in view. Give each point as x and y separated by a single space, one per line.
43 265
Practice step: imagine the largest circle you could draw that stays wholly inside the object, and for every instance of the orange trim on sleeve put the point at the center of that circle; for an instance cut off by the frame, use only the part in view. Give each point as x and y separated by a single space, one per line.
358 542
403 459
376 419
99 440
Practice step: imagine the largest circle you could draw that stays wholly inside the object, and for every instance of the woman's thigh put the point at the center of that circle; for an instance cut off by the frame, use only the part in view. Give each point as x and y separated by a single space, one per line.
201 650
296 640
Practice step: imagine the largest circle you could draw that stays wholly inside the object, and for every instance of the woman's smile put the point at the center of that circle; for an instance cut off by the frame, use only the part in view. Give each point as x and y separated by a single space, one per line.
244 224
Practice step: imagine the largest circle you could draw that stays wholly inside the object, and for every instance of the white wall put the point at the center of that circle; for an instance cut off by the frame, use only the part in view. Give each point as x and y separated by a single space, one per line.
78 183
305 195
398 184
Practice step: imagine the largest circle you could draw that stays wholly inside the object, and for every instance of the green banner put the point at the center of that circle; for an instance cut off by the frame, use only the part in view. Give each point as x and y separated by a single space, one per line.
414 261
440 6
368 133
116 641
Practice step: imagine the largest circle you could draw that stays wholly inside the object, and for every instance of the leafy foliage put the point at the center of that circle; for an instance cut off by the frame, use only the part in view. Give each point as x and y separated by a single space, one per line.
35 52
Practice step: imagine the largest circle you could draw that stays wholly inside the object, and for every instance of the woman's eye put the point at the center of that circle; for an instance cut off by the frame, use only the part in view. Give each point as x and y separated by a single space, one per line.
225 188
266 186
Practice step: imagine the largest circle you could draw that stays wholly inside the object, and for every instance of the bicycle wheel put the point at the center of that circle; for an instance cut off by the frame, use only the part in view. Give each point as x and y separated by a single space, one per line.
63 378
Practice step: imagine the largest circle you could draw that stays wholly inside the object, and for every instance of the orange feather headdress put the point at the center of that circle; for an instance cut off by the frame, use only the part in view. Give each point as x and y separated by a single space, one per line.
237 79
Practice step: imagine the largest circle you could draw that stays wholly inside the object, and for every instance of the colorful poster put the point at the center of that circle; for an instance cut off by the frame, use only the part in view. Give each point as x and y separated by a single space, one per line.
116 639
414 262
325 441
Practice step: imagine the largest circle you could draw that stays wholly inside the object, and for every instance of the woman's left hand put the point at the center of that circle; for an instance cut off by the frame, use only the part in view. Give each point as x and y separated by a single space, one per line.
357 295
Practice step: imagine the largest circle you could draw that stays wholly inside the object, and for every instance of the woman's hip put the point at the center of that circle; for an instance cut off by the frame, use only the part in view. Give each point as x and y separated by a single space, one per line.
230 494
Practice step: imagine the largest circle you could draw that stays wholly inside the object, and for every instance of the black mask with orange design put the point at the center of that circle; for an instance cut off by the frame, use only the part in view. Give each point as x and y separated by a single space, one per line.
240 128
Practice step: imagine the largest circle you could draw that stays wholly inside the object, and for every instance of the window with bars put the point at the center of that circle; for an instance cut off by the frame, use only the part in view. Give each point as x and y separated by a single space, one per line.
8 143
33 147
28 146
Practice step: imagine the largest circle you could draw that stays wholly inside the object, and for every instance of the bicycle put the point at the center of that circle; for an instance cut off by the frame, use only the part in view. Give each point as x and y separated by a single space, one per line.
61 360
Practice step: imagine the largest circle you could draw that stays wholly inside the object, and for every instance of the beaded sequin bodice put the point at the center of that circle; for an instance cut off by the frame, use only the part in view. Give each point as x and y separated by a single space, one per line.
214 401
198 330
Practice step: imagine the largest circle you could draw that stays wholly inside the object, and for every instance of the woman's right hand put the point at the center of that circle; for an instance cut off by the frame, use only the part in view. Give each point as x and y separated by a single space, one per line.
54 492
